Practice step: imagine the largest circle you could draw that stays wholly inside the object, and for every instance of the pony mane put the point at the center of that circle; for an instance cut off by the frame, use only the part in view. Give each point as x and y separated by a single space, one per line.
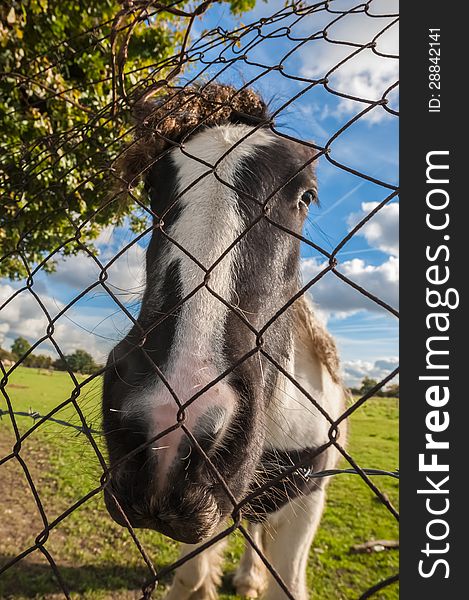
316 337
164 122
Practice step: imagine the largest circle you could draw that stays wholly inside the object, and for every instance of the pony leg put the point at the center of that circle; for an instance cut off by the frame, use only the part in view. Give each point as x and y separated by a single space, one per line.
199 577
250 579
294 526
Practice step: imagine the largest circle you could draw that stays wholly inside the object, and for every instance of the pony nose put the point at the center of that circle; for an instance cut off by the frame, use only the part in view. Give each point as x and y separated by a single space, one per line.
183 530
180 447
187 514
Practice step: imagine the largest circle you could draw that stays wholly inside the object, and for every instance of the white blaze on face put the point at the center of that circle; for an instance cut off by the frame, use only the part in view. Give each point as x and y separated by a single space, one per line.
208 222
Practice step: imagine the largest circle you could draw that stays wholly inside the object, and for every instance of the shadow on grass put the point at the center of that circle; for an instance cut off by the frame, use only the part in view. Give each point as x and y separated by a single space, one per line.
29 579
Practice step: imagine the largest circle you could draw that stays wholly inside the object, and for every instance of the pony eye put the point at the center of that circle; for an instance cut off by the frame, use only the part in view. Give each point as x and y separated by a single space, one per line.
307 197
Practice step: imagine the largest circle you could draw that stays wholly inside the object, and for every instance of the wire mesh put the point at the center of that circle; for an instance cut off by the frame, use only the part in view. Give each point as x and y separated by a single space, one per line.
204 58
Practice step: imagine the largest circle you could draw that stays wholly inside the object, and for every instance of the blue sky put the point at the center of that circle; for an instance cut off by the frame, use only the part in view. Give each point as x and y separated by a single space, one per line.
367 336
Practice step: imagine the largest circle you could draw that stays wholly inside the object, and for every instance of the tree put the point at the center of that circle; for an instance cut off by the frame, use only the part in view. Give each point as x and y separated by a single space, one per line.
78 362
392 390
20 346
5 355
81 362
63 116
59 364
367 385
39 361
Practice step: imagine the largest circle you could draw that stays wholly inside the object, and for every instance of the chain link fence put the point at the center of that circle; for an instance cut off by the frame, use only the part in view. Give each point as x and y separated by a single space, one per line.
34 170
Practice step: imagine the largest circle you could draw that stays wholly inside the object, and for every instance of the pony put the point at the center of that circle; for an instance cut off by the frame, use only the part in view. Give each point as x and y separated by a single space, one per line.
227 377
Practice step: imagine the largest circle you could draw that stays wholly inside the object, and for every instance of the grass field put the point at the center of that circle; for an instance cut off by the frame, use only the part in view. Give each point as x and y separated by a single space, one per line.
98 559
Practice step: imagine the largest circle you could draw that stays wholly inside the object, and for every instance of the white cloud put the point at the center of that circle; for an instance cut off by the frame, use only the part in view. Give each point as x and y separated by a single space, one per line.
126 276
23 316
90 323
4 327
335 297
365 75
382 231
355 370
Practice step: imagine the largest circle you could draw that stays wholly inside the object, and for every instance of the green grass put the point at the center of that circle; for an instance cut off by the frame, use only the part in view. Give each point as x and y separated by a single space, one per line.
98 559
